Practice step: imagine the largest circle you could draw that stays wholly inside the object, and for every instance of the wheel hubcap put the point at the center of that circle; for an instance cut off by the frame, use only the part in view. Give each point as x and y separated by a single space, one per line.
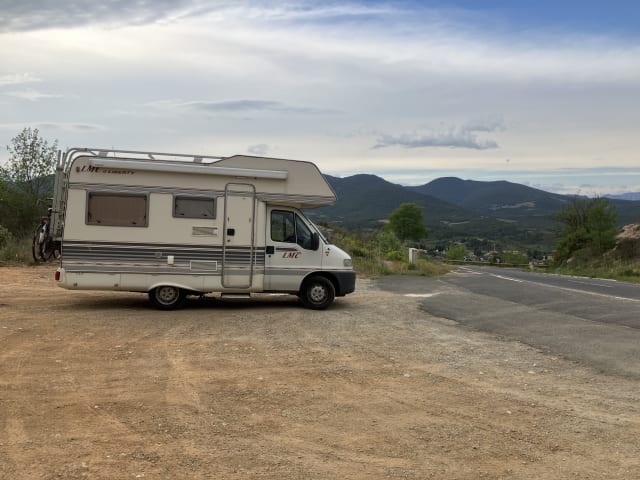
167 295
317 293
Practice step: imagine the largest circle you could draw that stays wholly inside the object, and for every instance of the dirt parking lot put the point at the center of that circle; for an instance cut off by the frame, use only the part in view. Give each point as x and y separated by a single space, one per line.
99 385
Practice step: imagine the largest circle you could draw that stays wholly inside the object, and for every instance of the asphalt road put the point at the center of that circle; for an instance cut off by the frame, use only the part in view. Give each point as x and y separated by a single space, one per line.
591 321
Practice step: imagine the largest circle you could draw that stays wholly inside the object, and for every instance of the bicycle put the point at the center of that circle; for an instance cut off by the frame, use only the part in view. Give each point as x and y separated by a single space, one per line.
44 246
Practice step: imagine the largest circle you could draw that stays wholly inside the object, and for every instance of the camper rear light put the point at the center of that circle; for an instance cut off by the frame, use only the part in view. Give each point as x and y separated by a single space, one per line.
347 262
57 276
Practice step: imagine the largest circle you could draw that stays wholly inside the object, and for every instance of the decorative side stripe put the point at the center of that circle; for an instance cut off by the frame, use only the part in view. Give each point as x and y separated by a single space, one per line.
158 270
76 254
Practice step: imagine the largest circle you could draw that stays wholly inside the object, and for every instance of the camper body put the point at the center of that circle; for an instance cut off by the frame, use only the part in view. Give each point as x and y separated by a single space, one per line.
173 225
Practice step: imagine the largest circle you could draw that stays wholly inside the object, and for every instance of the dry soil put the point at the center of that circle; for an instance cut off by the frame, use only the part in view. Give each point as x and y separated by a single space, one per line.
99 385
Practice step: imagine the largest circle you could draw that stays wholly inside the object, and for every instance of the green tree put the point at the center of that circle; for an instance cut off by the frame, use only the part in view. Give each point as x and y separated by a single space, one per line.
589 226
25 181
456 252
515 257
407 222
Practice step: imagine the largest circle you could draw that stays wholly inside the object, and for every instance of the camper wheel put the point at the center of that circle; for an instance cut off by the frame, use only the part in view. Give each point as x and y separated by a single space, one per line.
317 293
167 297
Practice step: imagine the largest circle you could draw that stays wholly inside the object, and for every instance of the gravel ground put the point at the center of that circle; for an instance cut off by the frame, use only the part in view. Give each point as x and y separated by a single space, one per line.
99 385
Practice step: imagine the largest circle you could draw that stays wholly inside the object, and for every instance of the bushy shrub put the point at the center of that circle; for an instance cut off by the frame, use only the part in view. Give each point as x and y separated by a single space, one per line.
15 251
388 241
5 237
381 253
515 257
395 255
456 252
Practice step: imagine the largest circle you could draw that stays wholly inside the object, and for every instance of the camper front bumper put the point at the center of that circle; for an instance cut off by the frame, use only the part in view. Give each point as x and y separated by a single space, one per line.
346 282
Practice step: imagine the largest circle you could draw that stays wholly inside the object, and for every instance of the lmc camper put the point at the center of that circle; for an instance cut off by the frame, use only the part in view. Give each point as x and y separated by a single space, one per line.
174 225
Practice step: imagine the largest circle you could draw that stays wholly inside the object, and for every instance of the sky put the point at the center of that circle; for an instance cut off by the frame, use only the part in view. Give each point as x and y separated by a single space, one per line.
543 93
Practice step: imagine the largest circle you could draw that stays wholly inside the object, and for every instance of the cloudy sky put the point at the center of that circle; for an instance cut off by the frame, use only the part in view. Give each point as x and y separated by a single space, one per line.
545 93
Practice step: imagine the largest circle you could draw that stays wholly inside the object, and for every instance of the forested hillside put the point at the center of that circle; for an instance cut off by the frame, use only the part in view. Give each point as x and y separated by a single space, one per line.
483 213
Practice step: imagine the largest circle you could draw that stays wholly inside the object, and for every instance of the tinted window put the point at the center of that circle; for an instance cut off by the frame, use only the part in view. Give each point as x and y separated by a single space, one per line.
288 227
194 207
303 234
283 228
117 209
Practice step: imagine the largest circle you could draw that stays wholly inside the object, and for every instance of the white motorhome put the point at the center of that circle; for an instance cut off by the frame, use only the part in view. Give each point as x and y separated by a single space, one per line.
174 225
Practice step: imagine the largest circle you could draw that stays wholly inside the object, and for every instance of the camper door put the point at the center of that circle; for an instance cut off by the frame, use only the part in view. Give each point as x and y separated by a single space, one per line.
290 250
238 256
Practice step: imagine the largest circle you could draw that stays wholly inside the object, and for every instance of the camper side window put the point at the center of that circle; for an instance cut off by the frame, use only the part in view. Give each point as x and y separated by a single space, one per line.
116 209
283 228
303 234
288 227
194 207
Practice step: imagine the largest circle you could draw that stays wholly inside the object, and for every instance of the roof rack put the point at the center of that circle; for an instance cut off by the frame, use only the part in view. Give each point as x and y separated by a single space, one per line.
135 155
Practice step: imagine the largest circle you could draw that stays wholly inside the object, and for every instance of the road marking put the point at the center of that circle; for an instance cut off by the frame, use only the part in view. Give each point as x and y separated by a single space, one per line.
468 270
506 278
587 292
421 295
591 283
568 289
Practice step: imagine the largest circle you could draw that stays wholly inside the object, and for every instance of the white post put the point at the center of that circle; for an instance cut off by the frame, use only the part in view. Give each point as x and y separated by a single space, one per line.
413 255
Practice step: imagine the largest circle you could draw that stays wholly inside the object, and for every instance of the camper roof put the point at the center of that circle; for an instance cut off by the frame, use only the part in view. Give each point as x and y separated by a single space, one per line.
291 182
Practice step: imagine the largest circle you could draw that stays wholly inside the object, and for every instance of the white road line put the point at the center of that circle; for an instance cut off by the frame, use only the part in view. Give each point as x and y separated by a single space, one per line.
506 278
468 270
575 290
591 283
421 295
586 292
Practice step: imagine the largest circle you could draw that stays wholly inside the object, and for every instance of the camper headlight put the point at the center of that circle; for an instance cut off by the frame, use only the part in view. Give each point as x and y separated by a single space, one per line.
347 262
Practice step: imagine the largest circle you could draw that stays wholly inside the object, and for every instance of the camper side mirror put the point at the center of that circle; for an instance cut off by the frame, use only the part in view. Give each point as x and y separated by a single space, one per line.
315 241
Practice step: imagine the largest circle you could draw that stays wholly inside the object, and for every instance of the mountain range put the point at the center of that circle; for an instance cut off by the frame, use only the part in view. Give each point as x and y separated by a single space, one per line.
480 213
625 196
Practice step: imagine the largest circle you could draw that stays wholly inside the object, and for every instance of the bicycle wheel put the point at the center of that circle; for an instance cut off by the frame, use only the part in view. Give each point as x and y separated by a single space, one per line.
47 249
36 245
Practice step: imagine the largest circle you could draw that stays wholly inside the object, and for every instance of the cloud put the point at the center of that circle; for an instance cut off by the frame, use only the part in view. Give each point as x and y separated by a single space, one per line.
435 41
43 14
464 137
485 125
71 126
26 15
30 94
17 79
260 149
252 106
66 126
430 84
237 106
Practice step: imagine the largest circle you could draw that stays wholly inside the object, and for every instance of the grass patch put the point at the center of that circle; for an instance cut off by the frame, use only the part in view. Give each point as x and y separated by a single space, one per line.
380 253
614 269
16 252
375 267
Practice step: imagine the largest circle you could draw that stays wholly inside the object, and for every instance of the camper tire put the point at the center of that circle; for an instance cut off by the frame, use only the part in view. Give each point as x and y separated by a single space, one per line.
317 293
167 297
